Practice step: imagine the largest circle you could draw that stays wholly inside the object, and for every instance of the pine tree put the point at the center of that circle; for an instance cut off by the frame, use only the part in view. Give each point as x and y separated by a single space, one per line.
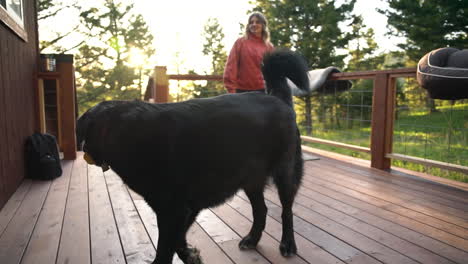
213 47
61 42
363 48
103 64
428 24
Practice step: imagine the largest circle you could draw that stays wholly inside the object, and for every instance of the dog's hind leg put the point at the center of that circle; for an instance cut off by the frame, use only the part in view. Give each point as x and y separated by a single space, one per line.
285 181
288 244
259 211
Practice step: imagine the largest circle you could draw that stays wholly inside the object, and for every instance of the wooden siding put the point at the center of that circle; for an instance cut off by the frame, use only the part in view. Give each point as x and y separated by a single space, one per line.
345 212
18 67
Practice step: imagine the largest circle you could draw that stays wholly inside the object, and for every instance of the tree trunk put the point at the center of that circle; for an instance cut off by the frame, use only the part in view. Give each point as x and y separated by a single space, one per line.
308 115
430 103
337 116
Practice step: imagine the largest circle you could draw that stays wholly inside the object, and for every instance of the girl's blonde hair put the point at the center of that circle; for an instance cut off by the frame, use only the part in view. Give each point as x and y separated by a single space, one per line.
263 20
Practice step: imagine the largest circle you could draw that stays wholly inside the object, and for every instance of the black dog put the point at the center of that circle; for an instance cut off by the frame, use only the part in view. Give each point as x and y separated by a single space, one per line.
184 157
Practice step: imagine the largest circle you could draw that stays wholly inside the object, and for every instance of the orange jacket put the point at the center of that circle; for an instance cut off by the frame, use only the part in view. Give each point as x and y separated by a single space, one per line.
242 69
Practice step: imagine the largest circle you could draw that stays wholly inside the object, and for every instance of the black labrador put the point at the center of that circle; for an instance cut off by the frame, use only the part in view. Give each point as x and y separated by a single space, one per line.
187 156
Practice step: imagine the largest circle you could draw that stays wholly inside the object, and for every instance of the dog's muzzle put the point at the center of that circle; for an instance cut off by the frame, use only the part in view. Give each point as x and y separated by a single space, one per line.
91 161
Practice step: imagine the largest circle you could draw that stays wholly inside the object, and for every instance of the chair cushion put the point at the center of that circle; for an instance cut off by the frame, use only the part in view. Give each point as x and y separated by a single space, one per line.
444 73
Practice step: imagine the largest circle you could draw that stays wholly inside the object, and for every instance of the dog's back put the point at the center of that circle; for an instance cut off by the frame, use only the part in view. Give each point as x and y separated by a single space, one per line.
236 138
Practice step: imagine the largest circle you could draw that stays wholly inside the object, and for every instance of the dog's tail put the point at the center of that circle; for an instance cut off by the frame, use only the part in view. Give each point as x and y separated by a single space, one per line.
281 64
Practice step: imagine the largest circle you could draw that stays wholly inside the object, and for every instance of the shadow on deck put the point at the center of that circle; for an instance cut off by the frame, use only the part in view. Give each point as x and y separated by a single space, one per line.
344 213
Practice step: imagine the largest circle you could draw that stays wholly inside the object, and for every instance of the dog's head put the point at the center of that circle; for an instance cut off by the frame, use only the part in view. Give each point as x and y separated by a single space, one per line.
91 129
85 119
93 144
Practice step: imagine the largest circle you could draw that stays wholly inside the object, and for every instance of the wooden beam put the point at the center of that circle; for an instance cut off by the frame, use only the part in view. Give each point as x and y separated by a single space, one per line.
389 117
41 106
405 72
430 163
380 122
162 85
195 77
335 144
67 105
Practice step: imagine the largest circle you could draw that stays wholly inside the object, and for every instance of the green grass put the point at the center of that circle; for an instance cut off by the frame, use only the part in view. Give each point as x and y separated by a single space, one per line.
441 136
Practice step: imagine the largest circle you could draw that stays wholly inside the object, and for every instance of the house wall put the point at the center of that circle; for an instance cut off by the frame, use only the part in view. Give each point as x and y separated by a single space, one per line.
18 110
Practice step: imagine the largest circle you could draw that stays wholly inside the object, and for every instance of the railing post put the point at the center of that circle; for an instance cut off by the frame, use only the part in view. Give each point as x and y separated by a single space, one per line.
383 104
67 107
161 93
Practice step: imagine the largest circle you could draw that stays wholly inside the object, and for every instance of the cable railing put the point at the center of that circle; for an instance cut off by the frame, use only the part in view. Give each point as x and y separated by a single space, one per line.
379 125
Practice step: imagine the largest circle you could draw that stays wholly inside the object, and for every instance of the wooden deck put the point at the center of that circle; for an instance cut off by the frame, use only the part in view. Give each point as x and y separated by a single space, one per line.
344 213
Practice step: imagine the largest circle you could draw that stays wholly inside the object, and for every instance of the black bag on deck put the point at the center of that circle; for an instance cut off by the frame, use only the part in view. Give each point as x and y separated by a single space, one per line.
42 157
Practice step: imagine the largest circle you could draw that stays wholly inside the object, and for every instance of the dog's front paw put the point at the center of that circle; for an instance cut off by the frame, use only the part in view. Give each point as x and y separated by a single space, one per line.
288 248
190 256
248 242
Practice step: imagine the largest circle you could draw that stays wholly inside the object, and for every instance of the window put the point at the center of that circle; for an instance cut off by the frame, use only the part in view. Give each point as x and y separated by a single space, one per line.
11 13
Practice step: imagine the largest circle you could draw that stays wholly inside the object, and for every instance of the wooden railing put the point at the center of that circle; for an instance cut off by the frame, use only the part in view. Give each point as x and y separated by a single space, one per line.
383 114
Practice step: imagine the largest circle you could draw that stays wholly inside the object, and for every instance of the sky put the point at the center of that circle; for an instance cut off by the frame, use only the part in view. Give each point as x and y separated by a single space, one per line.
177 26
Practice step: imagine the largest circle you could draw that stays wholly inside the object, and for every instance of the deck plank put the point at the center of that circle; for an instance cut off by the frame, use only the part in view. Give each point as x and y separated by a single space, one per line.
381 199
241 256
10 208
209 250
45 239
405 225
135 240
383 206
267 247
227 239
350 236
361 177
215 227
427 181
405 182
105 240
457 208
74 242
16 237
383 194
366 225
406 228
384 209
306 249
342 250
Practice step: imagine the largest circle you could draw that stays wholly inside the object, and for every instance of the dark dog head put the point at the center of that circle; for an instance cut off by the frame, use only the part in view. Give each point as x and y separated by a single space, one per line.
84 120
91 130
93 145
